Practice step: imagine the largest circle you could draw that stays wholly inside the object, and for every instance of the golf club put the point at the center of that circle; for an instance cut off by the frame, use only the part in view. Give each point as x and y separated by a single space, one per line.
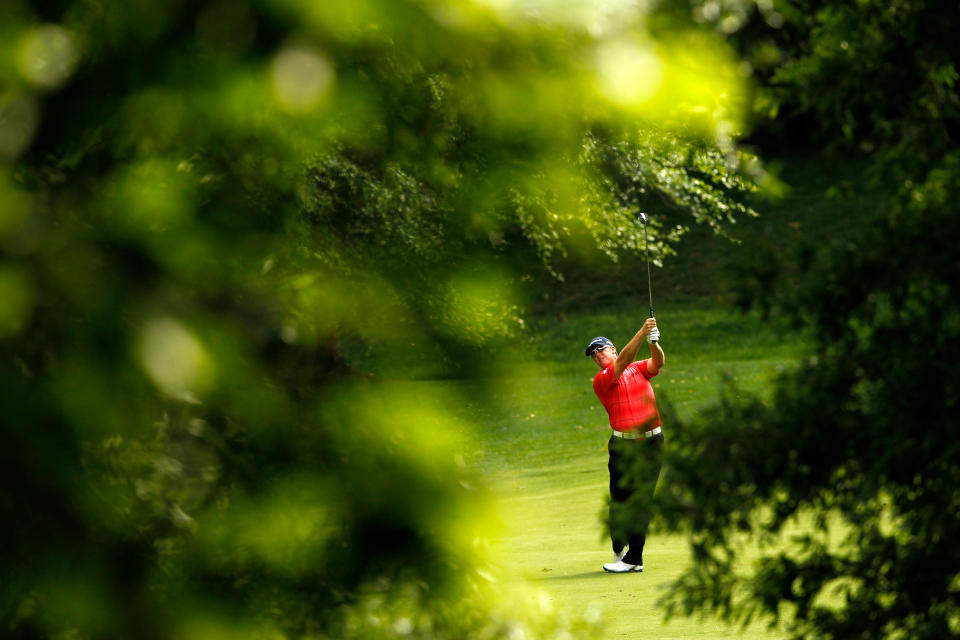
643 219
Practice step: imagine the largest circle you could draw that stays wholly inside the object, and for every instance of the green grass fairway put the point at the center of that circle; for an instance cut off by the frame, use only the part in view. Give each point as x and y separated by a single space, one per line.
542 451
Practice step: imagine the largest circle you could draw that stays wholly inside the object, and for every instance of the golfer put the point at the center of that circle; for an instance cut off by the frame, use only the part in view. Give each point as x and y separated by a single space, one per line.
636 444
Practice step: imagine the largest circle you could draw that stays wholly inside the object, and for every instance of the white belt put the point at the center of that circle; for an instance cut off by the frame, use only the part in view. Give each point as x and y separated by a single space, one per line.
634 435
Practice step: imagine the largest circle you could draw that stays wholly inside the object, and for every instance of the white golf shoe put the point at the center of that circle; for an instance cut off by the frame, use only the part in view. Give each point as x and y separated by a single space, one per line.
622 567
617 557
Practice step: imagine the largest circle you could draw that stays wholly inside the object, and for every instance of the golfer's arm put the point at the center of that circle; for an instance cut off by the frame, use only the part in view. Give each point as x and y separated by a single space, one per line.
656 360
629 353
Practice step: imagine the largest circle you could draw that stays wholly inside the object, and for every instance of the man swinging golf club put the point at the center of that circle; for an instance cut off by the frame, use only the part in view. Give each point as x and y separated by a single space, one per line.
636 443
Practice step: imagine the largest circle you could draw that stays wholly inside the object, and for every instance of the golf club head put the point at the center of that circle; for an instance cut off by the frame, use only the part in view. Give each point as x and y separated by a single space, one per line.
642 217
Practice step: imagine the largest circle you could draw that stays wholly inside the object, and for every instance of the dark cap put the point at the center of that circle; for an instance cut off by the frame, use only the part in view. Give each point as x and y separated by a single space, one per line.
596 344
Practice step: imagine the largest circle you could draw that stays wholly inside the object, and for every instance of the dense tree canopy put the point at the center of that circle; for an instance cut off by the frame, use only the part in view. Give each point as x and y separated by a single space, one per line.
207 205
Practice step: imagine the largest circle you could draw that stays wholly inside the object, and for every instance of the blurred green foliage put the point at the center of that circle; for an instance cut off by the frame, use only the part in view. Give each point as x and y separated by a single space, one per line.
209 209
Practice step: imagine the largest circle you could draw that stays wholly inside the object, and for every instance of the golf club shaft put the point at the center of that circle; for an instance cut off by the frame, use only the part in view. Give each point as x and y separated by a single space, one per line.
643 219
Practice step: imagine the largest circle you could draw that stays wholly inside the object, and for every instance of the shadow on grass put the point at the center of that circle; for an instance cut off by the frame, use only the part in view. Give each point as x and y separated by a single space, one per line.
599 573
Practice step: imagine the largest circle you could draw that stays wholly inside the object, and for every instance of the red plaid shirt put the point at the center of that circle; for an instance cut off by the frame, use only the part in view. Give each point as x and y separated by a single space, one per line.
629 401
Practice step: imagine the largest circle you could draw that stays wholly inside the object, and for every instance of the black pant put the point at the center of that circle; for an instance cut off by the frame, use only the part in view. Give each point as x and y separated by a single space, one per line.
634 470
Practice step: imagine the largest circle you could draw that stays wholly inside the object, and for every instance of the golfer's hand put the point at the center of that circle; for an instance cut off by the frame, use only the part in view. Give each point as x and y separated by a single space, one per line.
654 336
649 325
